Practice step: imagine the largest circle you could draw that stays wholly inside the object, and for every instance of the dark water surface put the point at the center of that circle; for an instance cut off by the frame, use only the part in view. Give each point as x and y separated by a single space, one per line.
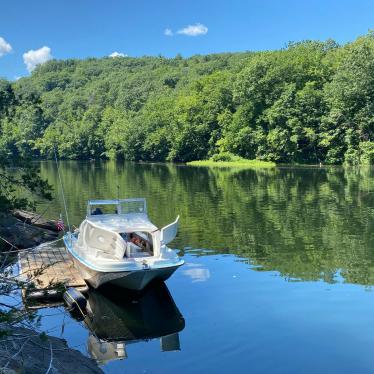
278 275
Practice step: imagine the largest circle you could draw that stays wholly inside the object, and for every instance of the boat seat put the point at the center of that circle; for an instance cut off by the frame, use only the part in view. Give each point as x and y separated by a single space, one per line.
135 251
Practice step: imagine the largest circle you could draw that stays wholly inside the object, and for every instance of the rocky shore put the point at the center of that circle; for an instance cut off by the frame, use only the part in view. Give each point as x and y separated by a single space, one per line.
25 351
25 229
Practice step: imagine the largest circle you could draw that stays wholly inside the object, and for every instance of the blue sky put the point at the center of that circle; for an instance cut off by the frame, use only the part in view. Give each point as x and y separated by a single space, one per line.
96 28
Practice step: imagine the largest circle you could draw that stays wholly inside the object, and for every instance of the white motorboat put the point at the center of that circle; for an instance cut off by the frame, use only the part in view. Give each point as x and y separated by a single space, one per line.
118 244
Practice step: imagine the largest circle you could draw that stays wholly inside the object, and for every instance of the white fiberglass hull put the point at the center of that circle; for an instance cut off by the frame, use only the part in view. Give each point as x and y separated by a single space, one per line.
132 279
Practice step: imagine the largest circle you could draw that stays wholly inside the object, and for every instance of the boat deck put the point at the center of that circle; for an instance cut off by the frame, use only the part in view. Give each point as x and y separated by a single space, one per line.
47 266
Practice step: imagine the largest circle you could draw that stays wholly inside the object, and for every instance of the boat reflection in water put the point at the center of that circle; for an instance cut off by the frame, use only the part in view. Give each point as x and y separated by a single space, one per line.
116 318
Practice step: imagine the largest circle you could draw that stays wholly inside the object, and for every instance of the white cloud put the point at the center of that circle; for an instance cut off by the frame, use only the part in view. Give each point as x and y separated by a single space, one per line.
117 54
5 47
193 30
39 56
197 275
168 32
196 272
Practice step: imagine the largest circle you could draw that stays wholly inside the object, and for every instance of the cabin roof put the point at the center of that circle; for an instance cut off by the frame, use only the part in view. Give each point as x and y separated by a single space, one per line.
129 222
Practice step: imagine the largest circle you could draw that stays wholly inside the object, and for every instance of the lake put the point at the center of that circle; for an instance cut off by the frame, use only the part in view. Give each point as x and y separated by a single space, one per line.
278 274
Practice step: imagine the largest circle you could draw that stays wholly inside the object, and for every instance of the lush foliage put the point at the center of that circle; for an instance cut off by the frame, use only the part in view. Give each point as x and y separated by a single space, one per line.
20 121
311 102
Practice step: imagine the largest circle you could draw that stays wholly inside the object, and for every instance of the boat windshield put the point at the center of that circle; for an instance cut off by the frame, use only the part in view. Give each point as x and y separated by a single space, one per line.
96 210
133 206
125 206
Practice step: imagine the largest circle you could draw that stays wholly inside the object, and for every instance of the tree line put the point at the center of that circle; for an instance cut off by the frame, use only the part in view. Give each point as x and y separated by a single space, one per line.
311 102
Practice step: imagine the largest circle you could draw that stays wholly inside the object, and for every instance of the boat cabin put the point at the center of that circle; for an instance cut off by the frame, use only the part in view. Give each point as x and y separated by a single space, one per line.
121 229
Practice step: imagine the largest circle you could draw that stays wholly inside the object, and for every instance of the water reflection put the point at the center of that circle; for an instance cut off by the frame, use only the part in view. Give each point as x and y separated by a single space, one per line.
305 223
287 224
197 272
116 319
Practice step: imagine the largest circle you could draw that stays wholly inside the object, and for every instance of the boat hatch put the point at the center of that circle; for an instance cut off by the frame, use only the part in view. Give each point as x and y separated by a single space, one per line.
169 232
120 206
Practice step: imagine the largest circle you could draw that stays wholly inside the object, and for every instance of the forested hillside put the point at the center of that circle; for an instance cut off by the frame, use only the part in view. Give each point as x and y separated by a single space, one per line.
308 103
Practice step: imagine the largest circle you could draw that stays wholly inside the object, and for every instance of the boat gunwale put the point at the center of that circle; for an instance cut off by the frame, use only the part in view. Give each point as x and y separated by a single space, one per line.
127 267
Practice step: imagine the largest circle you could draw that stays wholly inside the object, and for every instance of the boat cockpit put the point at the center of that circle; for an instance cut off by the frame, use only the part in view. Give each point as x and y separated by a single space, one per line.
121 229
138 243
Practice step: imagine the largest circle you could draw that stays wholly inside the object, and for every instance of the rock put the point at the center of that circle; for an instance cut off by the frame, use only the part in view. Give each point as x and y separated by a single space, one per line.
22 235
35 219
35 355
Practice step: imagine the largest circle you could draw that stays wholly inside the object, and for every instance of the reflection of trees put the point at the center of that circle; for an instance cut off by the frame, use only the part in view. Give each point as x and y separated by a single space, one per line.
306 223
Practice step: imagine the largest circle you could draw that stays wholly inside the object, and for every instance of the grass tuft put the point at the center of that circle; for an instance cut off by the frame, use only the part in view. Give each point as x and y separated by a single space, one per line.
228 160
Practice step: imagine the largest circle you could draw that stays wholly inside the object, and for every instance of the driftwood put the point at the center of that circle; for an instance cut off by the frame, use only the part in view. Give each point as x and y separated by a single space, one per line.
35 220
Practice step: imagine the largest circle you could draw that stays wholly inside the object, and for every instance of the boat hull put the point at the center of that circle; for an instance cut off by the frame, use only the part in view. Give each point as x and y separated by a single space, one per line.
133 280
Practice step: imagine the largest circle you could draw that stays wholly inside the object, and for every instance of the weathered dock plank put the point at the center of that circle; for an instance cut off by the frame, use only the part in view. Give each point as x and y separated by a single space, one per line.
46 266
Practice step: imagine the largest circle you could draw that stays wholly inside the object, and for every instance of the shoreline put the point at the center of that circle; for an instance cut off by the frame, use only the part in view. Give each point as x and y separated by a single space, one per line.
204 163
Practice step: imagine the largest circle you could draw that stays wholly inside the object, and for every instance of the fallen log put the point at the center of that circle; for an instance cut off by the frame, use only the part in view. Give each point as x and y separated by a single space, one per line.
35 220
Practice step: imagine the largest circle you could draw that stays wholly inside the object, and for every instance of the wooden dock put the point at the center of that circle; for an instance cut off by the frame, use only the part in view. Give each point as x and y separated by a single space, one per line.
48 266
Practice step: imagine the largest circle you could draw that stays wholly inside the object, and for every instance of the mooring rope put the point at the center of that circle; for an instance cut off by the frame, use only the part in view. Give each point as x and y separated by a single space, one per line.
11 245
37 218
18 250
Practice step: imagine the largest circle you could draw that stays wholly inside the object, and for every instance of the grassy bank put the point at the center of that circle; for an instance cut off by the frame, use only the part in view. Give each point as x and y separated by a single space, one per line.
233 164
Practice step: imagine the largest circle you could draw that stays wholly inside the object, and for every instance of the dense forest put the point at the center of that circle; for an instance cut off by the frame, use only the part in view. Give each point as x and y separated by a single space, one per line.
310 102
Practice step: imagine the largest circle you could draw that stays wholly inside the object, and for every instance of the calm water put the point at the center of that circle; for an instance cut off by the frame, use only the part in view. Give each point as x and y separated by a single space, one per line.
278 275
